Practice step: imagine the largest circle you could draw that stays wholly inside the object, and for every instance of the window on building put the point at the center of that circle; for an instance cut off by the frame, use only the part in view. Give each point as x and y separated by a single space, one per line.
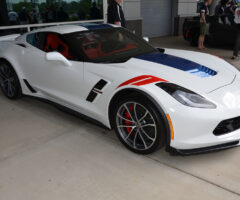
21 12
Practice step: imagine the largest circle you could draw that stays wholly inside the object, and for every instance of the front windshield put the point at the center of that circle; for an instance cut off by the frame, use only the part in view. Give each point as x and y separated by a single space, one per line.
107 45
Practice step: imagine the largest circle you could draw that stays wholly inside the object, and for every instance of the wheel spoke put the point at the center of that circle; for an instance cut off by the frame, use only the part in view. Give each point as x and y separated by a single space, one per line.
146 125
144 142
150 138
126 126
2 76
143 117
124 118
129 134
135 111
3 82
134 140
9 89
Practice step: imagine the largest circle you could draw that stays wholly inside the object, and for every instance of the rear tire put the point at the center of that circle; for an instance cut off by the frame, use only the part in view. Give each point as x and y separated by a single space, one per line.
9 81
139 125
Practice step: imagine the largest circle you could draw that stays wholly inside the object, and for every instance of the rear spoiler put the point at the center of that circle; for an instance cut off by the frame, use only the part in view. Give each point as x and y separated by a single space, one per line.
9 37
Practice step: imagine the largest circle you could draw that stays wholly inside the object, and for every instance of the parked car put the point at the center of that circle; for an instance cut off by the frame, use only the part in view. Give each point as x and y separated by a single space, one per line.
186 101
219 34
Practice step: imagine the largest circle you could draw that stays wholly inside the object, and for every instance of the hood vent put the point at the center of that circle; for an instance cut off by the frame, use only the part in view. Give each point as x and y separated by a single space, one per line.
203 72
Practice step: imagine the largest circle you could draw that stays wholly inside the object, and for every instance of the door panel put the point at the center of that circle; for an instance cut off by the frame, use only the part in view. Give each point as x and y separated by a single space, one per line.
53 78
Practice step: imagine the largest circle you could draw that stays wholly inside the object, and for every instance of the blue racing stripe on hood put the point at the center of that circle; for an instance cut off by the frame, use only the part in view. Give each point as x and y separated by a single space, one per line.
178 63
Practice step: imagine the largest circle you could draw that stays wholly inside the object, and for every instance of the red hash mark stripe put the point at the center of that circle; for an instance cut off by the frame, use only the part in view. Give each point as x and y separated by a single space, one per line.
142 80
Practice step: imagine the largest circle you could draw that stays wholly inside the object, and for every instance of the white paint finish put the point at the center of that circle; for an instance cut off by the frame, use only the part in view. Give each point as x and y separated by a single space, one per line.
9 37
157 17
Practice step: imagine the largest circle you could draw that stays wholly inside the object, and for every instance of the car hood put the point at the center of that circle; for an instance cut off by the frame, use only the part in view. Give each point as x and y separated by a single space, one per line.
196 71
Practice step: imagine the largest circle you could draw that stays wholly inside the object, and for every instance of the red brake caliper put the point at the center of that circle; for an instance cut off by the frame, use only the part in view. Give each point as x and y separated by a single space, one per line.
127 115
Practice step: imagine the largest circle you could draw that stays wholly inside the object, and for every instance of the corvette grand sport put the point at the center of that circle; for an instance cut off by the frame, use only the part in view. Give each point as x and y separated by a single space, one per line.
185 101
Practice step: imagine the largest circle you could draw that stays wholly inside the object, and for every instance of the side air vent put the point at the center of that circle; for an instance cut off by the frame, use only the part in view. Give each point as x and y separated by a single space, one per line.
97 89
29 86
101 84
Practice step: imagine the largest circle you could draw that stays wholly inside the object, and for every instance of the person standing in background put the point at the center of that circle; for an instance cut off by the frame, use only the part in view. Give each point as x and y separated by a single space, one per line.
13 17
115 13
204 23
237 40
24 16
95 12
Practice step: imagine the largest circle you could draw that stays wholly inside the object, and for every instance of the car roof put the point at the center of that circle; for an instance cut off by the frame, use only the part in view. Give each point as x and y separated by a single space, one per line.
64 29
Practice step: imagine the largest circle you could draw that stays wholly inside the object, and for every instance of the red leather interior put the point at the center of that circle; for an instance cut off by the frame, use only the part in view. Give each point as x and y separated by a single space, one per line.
53 42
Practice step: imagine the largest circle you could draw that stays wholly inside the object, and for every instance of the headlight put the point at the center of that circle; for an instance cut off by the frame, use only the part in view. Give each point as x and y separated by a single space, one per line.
186 97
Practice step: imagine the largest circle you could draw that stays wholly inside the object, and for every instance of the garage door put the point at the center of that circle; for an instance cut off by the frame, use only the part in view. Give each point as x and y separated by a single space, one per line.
157 17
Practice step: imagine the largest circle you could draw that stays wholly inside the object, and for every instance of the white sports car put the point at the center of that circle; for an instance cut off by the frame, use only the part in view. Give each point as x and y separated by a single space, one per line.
186 101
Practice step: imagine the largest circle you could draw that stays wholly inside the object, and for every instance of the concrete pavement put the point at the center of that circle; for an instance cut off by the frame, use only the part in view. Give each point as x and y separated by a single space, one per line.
48 154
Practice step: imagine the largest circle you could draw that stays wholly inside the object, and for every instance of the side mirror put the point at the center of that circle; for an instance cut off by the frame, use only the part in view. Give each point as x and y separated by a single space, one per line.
55 56
146 39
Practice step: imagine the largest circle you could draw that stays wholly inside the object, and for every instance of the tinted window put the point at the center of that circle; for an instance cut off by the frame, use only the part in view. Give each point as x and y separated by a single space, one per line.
31 39
49 42
55 42
107 45
37 40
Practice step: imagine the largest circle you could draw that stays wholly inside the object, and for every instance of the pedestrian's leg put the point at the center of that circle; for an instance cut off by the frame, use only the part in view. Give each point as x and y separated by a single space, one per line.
200 42
203 39
200 46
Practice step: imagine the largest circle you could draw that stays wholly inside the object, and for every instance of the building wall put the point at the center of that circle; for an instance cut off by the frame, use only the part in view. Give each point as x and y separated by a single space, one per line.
187 8
180 10
183 9
132 10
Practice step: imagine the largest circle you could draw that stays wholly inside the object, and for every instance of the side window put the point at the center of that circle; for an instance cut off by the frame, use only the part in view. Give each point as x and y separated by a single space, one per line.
49 42
31 39
54 42
37 40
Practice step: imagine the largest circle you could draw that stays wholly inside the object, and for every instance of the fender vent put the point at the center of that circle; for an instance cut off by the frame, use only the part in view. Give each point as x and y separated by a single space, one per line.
97 89
29 86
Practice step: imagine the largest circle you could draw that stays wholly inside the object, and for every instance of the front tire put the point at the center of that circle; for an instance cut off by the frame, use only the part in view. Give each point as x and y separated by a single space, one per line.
9 81
138 125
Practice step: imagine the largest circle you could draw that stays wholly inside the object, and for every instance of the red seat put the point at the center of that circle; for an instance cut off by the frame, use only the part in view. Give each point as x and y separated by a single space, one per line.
53 42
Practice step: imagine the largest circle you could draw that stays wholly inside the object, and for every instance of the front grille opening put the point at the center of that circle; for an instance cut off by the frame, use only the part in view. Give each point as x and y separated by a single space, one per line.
227 126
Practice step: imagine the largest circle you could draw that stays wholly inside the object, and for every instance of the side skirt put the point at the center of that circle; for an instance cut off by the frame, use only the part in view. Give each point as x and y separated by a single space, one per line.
189 152
70 111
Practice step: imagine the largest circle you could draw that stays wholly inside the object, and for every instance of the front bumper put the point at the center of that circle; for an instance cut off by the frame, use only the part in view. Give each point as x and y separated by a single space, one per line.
194 127
186 152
